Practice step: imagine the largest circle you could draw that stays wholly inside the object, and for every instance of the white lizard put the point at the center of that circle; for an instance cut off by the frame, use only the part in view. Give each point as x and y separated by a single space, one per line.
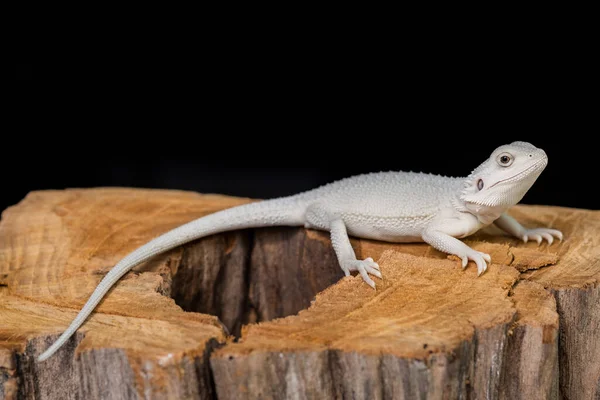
388 206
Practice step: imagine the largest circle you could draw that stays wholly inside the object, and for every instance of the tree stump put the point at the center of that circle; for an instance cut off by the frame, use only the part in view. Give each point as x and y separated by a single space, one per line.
528 328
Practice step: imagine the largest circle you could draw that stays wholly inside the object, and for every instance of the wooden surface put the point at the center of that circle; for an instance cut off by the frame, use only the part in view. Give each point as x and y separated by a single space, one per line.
55 246
528 328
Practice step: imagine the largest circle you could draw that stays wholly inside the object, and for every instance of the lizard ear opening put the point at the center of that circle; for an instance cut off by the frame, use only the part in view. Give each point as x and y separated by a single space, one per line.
479 184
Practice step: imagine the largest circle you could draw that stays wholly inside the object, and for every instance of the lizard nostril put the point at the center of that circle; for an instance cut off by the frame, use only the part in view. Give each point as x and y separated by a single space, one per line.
531 155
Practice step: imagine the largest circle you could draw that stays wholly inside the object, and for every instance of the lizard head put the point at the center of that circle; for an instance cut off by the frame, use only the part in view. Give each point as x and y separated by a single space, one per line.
503 179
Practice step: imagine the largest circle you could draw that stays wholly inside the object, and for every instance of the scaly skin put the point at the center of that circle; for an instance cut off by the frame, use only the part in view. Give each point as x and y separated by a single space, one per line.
388 206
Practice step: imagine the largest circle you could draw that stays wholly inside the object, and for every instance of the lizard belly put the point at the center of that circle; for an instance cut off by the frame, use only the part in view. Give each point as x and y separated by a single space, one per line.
389 229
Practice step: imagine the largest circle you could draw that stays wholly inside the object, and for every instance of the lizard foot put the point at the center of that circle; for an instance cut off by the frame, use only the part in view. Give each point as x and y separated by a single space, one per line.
542 233
364 268
481 259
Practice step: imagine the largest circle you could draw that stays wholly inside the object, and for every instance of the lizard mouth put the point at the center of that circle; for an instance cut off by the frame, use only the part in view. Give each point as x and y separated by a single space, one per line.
541 164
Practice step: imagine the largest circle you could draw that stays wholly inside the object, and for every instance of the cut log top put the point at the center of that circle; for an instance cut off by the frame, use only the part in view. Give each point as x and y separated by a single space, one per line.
55 246
417 310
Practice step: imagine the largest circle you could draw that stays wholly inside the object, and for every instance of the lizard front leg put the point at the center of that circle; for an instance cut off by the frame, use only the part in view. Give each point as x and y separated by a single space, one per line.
513 227
319 217
442 235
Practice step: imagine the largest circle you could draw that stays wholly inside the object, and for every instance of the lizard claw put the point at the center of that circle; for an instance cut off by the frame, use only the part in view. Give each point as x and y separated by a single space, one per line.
465 260
539 234
364 268
485 256
480 259
374 264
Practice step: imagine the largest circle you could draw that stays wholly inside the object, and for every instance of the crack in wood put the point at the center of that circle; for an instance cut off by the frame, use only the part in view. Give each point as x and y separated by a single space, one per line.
409 338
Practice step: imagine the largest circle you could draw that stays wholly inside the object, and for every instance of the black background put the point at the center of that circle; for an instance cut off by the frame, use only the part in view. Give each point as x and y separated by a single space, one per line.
267 132
257 172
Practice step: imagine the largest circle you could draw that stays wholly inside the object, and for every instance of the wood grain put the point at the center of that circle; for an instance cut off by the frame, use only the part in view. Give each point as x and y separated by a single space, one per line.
444 329
528 328
55 246
575 284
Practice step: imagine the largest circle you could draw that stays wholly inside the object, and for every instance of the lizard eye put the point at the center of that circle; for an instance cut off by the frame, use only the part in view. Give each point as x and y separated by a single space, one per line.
505 159
480 184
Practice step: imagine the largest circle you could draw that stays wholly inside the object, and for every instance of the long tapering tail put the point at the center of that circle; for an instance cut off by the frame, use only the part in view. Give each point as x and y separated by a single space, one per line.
278 212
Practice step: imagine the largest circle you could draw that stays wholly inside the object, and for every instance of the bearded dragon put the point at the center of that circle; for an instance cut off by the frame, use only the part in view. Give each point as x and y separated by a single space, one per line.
387 206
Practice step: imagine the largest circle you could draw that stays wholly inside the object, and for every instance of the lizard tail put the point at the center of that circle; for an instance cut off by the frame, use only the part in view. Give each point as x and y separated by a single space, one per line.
287 211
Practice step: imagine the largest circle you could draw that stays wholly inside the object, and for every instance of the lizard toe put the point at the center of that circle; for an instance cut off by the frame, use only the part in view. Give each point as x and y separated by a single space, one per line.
364 268
541 234
485 256
480 259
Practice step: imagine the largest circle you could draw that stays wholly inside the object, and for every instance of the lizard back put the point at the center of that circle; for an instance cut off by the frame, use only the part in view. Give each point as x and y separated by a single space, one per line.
388 194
